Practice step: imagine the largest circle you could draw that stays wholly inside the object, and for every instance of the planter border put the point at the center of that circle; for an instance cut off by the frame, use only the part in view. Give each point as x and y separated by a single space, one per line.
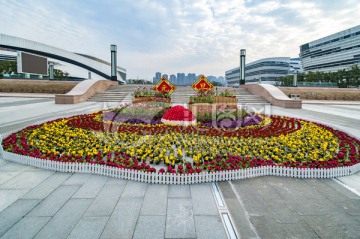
147 99
165 178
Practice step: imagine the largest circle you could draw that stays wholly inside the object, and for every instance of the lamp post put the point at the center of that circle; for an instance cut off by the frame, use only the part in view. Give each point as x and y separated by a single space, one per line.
113 63
242 67
51 70
295 78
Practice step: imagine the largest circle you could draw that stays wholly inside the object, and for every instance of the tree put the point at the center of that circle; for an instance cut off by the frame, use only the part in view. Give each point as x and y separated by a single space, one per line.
59 74
8 67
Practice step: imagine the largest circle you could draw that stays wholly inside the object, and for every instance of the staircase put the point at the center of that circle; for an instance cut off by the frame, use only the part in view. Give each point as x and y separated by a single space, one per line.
245 97
182 95
116 93
122 94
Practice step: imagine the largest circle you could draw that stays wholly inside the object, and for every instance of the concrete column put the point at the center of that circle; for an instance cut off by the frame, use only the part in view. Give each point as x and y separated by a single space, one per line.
242 66
89 75
113 63
295 79
51 70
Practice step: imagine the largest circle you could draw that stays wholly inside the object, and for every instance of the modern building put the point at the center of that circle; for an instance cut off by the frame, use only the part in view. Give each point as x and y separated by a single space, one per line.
266 71
332 53
191 78
7 55
172 78
100 67
157 77
180 79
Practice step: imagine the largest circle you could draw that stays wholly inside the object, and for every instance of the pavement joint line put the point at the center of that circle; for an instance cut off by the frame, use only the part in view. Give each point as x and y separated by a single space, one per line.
218 197
223 211
243 207
229 226
346 186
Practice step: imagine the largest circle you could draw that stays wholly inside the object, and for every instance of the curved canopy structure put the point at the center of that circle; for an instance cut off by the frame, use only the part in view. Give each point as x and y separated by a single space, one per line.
90 63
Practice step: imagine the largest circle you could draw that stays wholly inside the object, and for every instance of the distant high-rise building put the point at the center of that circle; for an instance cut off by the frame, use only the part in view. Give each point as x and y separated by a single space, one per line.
166 76
212 78
186 80
157 77
191 78
172 78
180 78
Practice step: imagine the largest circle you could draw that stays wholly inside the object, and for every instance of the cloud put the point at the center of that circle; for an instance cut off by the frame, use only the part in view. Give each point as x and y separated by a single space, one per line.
202 36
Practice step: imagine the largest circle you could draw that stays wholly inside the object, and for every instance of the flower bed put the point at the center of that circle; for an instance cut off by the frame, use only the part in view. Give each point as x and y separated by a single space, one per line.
149 99
143 94
145 144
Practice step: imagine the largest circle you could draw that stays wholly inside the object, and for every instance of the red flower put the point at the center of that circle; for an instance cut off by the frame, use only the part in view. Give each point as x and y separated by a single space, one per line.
178 113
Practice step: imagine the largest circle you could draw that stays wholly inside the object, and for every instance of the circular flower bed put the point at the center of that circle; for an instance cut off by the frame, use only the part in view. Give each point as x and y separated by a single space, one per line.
115 139
178 115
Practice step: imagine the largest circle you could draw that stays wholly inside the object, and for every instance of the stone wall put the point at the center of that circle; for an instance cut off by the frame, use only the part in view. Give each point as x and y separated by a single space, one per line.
83 91
274 95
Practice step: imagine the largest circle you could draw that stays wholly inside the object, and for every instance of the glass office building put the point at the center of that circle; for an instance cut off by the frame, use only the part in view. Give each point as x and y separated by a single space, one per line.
266 71
332 53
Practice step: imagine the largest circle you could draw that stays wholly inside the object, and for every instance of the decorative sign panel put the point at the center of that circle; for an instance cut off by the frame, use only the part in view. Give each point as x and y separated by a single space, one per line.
203 84
164 85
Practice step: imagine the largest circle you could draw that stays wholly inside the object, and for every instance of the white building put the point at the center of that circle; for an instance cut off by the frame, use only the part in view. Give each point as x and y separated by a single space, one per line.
332 53
266 71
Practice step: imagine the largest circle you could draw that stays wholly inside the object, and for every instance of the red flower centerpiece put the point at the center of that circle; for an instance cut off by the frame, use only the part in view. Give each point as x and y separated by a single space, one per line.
178 115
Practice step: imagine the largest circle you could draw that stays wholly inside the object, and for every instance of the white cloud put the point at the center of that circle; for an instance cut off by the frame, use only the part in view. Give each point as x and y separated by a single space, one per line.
202 36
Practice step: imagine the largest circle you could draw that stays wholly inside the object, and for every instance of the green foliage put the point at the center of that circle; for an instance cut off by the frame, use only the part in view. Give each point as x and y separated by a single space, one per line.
203 96
138 81
343 78
7 67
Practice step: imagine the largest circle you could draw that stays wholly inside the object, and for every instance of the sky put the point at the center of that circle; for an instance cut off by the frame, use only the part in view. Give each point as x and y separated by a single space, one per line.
171 36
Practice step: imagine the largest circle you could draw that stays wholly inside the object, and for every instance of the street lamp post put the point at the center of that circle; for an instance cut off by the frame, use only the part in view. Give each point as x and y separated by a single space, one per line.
295 78
51 70
113 63
242 66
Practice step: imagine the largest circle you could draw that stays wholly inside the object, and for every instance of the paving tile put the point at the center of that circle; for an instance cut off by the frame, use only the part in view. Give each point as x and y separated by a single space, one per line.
150 227
13 167
77 179
6 176
88 228
266 227
106 200
91 187
208 227
124 218
65 220
352 207
7 197
179 191
27 227
116 181
26 180
12 214
299 230
180 219
203 200
56 200
134 190
155 201
47 186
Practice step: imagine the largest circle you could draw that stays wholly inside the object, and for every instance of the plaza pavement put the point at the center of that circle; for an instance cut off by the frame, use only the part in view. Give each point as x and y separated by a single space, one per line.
37 203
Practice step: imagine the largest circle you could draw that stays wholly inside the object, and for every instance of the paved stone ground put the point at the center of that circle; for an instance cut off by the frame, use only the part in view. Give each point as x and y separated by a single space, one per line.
36 203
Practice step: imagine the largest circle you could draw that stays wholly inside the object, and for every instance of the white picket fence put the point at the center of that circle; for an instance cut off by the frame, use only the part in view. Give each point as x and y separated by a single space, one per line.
178 178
